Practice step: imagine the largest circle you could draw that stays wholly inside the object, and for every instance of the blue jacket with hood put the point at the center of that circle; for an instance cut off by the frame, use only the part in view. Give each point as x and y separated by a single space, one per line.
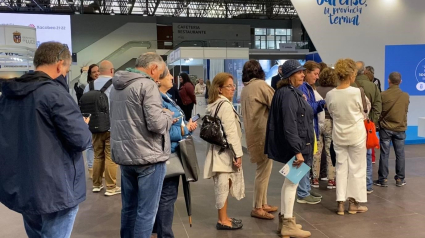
42 136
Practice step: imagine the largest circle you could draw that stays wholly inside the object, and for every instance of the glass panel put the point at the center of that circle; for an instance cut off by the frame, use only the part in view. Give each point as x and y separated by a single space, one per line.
289 32
263 45
270 44
270 32
281 32
260 31
258 44
270 38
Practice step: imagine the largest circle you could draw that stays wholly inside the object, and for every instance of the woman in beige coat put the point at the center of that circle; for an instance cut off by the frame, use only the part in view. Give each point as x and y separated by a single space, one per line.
256 100
225 167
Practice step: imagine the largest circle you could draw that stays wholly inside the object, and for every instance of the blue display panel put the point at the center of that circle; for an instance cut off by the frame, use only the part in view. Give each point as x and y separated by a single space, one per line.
409 61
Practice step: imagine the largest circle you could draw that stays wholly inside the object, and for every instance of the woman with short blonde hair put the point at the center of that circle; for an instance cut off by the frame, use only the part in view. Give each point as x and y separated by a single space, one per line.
225 165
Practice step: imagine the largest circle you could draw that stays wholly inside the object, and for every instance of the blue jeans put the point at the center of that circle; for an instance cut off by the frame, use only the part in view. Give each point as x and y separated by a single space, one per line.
304 186
90 156
369 172
164 218
140 194
52 225
398 138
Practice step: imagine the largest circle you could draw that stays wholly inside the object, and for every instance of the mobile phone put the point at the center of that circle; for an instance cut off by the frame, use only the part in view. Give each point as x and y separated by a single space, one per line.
196 117
86 115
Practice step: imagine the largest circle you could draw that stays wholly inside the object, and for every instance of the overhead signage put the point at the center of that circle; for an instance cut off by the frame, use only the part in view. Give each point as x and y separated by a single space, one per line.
48 27
287 46
19 36
343 12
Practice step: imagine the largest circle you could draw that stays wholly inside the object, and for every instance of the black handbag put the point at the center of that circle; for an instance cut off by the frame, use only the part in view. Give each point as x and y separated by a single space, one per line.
174 166
189 159
212 130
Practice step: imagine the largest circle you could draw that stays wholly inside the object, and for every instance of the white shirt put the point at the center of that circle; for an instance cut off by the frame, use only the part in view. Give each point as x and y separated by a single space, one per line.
346 109
99 83
200 89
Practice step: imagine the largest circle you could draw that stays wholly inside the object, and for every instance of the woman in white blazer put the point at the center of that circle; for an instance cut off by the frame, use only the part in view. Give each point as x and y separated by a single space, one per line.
225 167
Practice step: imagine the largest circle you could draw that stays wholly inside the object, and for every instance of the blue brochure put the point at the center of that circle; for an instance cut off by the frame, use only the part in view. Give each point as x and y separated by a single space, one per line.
293 173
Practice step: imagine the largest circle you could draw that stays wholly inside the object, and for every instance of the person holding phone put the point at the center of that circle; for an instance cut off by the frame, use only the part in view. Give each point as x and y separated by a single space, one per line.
290 133
178 131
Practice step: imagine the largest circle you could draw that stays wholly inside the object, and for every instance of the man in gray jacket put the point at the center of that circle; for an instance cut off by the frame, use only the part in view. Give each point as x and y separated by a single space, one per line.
140 142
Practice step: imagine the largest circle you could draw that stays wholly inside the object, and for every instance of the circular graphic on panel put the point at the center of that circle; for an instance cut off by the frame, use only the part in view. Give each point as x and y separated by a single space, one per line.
420 86
420 75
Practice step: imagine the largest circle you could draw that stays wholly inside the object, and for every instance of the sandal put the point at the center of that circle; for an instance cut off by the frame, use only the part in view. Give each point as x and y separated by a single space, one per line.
265 215
235 226
271 209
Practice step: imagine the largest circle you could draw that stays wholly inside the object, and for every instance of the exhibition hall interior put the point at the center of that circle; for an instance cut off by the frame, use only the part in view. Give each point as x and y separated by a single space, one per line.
212 118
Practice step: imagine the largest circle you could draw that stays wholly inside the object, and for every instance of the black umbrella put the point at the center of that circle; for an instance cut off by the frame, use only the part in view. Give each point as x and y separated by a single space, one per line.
187 198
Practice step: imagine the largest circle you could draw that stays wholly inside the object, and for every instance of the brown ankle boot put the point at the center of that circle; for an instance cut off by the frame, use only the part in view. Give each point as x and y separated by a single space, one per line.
290 229
341 208
279 228
355 207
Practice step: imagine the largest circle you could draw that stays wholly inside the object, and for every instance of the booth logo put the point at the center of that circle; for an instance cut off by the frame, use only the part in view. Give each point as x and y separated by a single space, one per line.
420 75
341 12
17 37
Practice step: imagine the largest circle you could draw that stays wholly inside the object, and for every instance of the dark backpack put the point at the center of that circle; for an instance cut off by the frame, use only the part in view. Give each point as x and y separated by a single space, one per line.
96 103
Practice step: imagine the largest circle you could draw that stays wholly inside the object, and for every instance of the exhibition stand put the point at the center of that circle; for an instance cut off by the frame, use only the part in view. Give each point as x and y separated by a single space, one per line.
17 48
205 63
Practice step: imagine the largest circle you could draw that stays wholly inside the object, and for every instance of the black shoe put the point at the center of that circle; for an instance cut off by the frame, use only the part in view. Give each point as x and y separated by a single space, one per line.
400 182
235 226
381 183
237 221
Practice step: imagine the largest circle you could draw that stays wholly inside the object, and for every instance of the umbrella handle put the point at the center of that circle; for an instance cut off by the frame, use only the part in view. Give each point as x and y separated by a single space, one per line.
190 221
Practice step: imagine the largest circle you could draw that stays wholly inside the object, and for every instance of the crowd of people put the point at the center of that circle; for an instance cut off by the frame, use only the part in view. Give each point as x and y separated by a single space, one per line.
133 119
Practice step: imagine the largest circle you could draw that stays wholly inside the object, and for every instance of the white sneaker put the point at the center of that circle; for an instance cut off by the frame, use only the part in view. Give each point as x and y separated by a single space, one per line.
112 192
97 189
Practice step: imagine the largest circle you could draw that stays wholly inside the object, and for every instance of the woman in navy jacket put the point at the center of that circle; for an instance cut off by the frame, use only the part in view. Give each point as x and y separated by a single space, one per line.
178 131
290 133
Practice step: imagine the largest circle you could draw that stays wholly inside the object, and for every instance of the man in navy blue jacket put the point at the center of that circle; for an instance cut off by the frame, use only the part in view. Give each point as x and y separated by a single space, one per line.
42 136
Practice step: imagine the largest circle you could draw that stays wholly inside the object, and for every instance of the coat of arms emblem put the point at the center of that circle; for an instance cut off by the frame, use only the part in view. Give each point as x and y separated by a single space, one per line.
17 37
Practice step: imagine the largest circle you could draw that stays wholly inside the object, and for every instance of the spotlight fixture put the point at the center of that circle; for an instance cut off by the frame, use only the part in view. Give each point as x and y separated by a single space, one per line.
96 11
112 12
129 3
28 1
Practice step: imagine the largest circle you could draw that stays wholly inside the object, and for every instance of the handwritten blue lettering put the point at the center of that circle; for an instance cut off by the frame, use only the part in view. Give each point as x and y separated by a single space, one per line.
343 11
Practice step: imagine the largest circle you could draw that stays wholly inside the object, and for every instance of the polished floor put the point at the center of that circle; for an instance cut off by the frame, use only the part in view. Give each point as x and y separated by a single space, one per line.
393 212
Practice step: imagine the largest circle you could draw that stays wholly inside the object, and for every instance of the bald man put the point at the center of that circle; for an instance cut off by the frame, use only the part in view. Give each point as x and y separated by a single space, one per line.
101 141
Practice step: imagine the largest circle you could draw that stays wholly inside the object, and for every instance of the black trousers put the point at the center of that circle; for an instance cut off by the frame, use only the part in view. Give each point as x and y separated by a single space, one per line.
187 109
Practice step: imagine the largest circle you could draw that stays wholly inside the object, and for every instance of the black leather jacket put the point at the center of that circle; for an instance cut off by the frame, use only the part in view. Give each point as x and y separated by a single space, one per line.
290 126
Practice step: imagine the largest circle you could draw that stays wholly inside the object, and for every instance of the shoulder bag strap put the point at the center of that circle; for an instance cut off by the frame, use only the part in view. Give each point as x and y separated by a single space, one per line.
91 86
363 97
106 86
218 107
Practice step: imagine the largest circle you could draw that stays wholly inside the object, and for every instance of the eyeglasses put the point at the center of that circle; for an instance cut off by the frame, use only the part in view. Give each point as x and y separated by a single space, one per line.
65 47
230 86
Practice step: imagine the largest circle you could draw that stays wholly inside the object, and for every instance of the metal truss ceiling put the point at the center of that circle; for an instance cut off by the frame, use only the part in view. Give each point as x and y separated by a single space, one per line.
260 9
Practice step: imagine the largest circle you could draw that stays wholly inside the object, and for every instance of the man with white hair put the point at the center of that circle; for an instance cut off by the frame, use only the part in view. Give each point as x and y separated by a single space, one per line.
200 88
140 142
372 92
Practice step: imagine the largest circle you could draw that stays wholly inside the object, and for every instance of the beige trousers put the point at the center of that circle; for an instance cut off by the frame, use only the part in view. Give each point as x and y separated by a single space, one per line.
103 162
262 177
